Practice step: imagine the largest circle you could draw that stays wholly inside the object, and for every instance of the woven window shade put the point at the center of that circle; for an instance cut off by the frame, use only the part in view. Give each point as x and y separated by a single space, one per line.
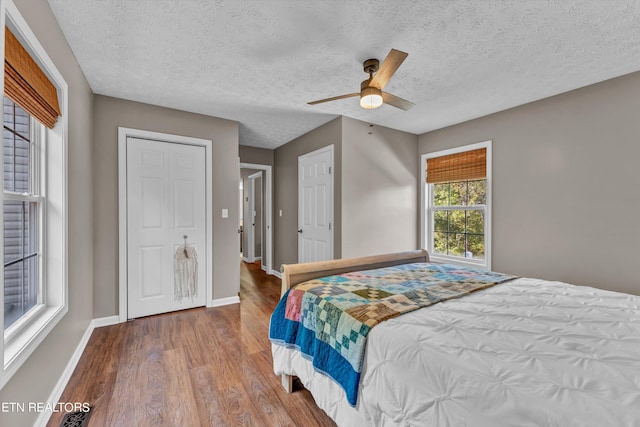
458 167
26 84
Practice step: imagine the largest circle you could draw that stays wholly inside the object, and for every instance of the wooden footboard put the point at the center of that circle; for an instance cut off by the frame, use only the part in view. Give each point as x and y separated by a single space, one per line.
293 274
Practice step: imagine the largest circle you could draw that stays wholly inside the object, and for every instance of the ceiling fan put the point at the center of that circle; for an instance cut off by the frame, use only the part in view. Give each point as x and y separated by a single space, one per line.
371 94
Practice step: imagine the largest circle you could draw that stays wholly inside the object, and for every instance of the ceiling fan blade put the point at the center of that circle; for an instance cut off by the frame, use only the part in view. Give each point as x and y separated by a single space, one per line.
396 101
335 98
394 59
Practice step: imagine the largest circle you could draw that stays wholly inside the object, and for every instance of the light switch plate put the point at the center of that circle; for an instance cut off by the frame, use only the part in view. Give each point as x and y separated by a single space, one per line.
225 213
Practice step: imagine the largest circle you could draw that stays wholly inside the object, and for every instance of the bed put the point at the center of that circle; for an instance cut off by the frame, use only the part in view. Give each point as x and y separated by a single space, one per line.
522 351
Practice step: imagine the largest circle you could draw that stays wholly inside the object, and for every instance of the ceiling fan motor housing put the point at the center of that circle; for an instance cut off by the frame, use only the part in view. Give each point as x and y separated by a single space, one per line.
370 96
371 65
367 83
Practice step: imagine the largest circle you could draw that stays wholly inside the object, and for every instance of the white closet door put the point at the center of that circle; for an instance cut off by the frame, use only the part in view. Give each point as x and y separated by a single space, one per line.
165 201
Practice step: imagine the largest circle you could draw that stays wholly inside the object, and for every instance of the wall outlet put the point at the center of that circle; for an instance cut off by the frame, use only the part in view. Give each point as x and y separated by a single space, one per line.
225 213
280 212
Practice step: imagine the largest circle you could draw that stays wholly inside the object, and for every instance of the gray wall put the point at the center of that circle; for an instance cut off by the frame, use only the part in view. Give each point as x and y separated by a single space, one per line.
260 156
37 377
109 114
286 189
375 189
379 189
565 184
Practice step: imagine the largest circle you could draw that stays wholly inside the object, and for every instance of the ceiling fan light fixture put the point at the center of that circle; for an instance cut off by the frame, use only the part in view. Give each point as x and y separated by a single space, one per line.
370 97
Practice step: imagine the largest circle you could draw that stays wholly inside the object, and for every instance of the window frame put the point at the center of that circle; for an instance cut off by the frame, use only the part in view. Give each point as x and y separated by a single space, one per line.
427 209
16 347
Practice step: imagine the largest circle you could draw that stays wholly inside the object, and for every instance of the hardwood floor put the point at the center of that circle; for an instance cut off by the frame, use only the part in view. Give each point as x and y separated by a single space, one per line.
199 367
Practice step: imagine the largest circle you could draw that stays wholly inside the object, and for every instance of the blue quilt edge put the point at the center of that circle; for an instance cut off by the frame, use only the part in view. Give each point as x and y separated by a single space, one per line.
351 379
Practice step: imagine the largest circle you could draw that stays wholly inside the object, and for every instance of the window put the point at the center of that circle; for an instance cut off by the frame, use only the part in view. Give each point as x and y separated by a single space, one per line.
34 184
457 217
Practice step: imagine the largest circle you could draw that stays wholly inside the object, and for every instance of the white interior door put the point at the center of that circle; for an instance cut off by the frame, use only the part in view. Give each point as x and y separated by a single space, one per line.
249 222
315 205
166 184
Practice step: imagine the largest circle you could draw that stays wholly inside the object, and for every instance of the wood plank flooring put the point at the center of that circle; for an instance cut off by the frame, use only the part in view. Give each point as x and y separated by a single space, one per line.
199 367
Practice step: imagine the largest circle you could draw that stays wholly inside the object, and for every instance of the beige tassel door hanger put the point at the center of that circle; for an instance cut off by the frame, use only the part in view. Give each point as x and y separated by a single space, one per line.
185 272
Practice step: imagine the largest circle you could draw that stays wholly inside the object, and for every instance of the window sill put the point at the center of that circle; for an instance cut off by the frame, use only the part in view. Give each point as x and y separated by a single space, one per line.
24 343
23 321
459 261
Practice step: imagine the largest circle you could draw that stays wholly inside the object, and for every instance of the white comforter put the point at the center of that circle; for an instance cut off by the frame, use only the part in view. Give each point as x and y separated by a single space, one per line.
524 353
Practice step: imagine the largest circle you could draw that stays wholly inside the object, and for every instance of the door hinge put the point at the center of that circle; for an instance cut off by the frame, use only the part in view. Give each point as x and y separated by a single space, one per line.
329 226
329 170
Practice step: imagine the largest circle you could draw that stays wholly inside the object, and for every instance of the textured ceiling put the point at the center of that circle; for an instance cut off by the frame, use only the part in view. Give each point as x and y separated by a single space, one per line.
259 62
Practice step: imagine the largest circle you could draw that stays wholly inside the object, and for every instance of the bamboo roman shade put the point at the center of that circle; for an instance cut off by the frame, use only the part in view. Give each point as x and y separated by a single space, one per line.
26 84
464 166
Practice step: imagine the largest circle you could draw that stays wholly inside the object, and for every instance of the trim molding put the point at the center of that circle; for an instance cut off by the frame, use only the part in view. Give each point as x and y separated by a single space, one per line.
105 321
224 301
43 417
276 273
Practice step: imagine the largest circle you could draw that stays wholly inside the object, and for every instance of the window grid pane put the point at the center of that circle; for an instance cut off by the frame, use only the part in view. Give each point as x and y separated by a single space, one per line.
18 300
17 148
20 217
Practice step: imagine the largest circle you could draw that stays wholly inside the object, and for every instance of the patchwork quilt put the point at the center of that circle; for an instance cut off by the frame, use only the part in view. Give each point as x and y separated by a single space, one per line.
328 319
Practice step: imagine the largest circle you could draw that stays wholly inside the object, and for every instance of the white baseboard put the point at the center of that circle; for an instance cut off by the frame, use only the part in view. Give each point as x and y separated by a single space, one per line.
276 273
224 301
263 267
105 321
245 259
257 258
44 416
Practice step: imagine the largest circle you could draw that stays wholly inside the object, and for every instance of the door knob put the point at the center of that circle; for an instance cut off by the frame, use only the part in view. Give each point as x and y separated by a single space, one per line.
300 231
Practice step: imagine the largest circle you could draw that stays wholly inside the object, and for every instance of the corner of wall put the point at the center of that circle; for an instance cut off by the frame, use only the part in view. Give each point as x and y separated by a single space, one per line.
379 177
286 193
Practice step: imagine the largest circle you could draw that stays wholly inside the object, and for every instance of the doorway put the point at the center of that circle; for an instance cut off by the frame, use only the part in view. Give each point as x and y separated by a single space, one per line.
255 222
252 215
165 199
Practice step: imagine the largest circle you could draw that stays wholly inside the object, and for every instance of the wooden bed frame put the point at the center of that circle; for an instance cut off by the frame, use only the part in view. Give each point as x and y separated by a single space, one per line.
293 274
